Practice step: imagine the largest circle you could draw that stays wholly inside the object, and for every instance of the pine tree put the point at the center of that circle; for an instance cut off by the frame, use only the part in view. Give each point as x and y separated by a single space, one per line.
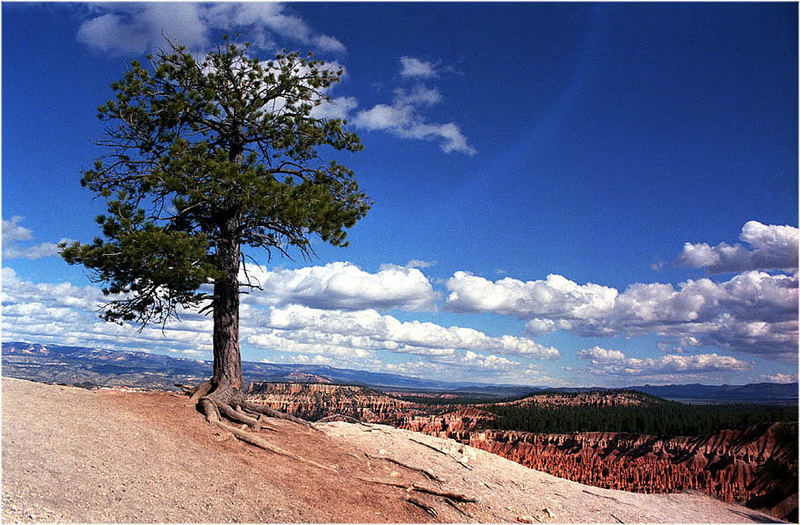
207 159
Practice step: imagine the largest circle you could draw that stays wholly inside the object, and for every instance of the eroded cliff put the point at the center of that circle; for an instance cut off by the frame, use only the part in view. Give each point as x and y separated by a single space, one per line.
314 401
724 464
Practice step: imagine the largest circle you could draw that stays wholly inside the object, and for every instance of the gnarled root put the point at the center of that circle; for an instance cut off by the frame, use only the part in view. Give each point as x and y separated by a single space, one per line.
261 409
223 406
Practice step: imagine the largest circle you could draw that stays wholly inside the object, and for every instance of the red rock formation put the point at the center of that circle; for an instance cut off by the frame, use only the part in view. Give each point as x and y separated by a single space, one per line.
458 424
315 400
723 464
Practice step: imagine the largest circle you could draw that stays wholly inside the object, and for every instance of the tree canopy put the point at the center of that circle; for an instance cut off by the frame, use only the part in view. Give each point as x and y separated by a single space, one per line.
205 157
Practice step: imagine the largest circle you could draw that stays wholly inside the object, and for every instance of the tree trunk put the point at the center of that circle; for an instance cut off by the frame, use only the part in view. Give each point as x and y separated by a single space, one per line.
227 358
227 380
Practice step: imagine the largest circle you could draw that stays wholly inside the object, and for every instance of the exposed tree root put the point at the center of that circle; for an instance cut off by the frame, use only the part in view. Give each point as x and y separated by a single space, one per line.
461 498
430 475
199 391
261 409
459 509
424 506
343 417
212 412
227 407
440 451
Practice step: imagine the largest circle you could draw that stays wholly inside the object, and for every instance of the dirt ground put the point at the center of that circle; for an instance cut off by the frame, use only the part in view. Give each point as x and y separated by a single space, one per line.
72 455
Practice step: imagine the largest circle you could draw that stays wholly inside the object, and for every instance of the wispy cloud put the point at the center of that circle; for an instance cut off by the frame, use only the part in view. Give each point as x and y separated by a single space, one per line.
404 118
14 247
416 68
614 363
127 28
418 263
14 231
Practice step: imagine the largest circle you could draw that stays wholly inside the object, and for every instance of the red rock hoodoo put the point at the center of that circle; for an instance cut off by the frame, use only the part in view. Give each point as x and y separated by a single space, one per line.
723 464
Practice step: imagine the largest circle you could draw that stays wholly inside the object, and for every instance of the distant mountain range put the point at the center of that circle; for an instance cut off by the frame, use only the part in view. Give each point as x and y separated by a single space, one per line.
75 365
81 366
783 393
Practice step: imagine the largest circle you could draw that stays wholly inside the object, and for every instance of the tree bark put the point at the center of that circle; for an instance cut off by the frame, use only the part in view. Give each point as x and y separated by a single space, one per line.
227 357
227 380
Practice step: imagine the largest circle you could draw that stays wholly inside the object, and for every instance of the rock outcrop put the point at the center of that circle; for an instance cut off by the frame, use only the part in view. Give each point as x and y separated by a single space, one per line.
314 401
459 424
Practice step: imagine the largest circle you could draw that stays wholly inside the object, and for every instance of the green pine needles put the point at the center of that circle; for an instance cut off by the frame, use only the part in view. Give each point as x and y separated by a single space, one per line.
206 158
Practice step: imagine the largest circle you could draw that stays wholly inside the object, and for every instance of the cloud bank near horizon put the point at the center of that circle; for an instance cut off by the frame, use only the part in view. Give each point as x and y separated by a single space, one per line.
355 338
340 314
754 312
613 363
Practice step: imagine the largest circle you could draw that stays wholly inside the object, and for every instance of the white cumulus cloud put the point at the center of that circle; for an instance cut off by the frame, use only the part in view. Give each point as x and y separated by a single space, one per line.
600 355
780 378
343 285
773 247
66 314
370 330
753 312
555 297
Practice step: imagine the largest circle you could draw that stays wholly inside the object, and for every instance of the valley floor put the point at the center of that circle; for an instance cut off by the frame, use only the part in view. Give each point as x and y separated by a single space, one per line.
76 455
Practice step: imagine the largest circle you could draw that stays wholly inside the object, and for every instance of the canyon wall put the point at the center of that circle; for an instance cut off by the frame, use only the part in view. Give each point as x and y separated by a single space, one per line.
314 401
723 464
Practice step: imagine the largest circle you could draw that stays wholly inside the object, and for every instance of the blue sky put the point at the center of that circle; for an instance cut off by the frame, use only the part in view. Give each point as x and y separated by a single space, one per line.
565 194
